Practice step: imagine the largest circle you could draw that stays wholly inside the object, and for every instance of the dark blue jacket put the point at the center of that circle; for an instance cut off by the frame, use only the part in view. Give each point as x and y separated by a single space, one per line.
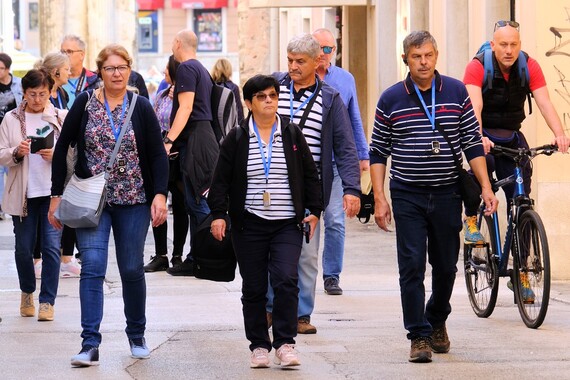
229 186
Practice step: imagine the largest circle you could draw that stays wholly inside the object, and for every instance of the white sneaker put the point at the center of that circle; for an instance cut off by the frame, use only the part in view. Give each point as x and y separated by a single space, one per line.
38 269
70 269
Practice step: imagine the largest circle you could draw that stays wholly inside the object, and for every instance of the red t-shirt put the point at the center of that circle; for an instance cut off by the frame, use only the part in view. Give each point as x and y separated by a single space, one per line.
475 72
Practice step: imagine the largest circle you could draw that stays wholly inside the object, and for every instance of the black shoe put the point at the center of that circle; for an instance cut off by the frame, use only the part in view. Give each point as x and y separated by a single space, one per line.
331 286
176 260
186 268
157 263
421 350
439 340
88 356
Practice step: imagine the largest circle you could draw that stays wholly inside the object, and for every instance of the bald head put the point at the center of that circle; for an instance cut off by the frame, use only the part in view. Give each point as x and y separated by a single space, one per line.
188 39
506 45
184 45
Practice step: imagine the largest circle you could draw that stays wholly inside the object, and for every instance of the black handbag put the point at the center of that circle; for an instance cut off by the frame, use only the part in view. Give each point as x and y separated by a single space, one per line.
468 187
213 259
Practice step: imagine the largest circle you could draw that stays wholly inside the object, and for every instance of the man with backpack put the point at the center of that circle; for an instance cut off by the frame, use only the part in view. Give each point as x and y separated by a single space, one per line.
498 82
191 134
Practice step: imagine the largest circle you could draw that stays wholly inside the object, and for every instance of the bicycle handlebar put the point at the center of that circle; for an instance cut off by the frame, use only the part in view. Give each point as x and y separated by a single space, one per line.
547 150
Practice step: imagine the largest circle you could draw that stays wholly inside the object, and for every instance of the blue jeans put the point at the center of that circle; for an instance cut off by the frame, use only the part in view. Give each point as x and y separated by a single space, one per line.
26 232
308 272
426 222
130 226
334 218
268 247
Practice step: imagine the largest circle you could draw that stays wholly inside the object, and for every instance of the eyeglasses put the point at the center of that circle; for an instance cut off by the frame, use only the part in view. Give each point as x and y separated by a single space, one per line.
261 96
327 49
69 51
503 23
34 95
111 69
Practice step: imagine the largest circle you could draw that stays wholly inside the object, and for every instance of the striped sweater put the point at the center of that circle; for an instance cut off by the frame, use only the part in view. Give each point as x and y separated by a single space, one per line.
402 130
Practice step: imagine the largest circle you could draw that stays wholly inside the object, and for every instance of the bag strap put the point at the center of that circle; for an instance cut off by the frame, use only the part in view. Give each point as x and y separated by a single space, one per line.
118 142
442 132
310 104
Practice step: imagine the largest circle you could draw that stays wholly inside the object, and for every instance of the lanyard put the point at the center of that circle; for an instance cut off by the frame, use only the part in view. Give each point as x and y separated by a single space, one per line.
432 118
266 163
294 112
108 109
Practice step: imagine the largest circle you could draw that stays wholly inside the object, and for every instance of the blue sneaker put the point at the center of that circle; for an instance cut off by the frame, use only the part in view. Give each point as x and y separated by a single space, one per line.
88 356
527 293
472 234
139 350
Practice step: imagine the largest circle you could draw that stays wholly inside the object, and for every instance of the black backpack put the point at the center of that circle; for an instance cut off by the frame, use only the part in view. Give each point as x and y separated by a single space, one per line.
224 111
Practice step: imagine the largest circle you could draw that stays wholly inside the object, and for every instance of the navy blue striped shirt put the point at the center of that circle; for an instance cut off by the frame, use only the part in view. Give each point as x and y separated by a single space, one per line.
403 131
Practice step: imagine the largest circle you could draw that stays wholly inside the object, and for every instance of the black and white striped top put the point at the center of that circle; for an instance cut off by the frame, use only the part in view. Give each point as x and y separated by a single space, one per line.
312 127
277 184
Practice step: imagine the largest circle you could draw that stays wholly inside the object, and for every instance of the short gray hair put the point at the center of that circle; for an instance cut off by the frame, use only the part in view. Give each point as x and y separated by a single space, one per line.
73 37
417 39
304 44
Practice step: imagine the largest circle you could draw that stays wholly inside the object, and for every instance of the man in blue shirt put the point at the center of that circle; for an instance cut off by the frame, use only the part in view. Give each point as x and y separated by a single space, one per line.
342 81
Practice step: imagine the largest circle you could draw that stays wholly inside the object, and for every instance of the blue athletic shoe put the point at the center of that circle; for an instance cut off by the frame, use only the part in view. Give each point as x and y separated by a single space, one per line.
472 234
139 350
527 293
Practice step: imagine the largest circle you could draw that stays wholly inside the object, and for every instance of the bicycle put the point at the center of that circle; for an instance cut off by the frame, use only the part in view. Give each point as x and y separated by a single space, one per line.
525 240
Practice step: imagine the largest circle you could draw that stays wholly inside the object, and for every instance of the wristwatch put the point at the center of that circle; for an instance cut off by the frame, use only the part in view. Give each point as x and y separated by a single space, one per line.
166 140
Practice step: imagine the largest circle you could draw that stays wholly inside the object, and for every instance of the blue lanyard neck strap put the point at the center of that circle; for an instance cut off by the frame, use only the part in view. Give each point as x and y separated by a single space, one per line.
117 130
266 162
294 112
432 116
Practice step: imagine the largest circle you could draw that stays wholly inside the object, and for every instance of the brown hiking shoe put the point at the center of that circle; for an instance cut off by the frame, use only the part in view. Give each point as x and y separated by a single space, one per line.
304 326
421 350
27 308
439 340
269 317
46 312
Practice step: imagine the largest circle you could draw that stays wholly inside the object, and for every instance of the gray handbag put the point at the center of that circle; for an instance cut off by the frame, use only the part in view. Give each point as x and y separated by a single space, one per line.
83 199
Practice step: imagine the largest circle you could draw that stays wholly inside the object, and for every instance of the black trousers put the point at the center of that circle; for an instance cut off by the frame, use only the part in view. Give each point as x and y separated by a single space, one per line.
269 248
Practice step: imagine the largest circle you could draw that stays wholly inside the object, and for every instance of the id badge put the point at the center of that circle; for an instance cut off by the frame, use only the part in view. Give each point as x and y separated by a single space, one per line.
435 149
266 199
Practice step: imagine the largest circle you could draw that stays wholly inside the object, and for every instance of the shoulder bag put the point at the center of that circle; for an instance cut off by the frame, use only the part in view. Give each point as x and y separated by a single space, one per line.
83 199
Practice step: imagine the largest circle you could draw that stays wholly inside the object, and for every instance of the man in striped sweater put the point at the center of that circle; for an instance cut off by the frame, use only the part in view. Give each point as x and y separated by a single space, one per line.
424 185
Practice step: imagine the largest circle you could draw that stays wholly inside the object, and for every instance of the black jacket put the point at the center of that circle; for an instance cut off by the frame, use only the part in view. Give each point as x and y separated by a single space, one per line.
229 186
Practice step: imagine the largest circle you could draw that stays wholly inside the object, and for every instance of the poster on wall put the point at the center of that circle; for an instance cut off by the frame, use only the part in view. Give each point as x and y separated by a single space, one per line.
208 28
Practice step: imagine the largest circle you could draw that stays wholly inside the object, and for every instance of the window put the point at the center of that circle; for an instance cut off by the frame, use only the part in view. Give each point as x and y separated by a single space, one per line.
208 29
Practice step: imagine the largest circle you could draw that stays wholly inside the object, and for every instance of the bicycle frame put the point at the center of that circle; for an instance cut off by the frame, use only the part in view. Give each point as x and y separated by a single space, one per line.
519 200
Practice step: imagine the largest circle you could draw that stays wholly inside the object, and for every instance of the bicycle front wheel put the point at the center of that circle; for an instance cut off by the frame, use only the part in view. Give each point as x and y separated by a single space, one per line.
481 270
532 269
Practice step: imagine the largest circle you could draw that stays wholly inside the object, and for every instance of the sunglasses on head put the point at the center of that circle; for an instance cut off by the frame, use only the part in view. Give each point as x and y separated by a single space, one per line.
503 23
327 49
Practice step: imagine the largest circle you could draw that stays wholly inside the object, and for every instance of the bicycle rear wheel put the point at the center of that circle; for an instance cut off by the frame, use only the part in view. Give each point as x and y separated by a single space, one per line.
532 270
481 270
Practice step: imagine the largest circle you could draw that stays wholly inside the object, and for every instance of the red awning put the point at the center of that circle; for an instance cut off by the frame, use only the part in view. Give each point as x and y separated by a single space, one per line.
150 5
199 4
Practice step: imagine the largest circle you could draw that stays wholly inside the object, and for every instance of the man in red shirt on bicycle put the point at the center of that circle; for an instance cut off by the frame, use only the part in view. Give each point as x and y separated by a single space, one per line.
499 108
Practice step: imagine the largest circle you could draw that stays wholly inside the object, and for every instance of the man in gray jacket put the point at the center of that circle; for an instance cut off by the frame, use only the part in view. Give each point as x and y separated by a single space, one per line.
322 116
